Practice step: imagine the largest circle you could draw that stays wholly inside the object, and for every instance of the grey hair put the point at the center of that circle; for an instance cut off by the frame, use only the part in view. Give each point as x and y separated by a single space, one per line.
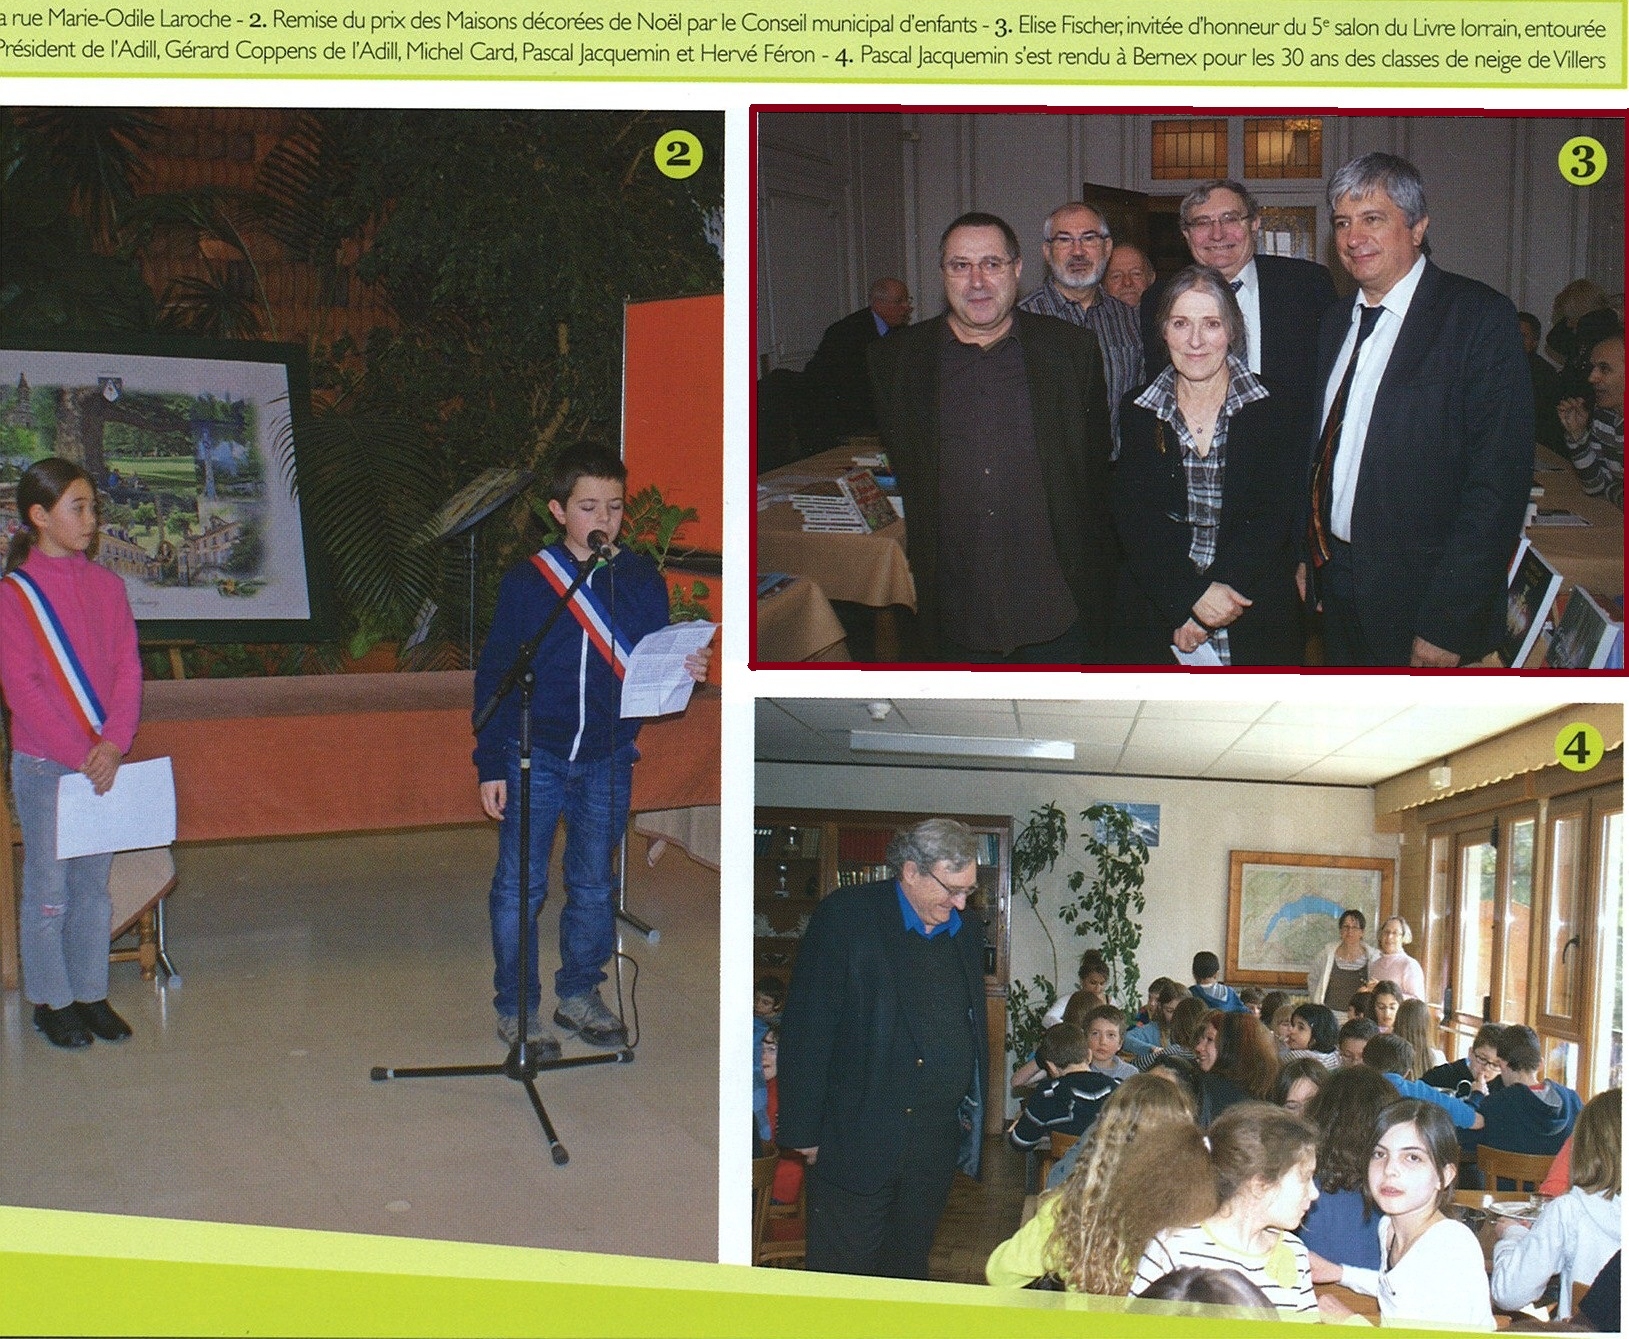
1102 220
1199 194
1397 177
931 842
1205 279
1408 930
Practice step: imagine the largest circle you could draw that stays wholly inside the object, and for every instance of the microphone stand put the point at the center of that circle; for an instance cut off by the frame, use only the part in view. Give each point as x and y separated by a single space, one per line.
522 1063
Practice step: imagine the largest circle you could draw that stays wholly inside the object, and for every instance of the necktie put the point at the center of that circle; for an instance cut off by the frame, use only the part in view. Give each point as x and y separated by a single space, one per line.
1235 284
1318 533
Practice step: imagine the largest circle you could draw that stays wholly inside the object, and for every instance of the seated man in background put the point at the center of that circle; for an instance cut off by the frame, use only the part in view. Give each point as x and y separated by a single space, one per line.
1595 439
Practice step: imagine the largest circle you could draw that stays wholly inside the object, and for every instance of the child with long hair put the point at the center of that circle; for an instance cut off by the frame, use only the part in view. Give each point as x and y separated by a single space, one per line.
1262 1164
1342 1225
1144 1153
1245 1053
1431 1269
1164 995
72 680
1384 1001
1415 1025
1578 1233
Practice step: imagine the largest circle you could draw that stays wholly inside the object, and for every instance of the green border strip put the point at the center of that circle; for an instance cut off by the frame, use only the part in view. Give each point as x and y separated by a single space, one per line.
73 1273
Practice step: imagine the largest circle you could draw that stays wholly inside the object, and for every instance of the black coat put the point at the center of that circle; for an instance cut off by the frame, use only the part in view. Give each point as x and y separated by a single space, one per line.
1447 467
1255 546
1069 404
847 1040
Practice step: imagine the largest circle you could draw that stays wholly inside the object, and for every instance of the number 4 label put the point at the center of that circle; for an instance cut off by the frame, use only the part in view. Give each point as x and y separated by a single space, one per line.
1579 747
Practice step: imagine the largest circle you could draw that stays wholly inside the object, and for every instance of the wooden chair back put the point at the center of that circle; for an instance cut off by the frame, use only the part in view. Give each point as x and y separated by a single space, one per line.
1360 1303
775 1239
1524 1170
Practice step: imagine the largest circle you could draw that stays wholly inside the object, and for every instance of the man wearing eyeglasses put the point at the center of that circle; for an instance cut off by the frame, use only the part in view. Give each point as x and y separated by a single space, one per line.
1281 298
1076 243
882 1054
997 424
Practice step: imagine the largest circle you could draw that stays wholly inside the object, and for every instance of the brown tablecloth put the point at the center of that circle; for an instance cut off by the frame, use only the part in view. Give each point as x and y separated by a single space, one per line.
796 623
865 569
1589 556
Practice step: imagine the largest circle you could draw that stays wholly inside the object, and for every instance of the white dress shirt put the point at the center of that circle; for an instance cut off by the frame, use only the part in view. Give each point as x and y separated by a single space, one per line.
1371 367
1249 295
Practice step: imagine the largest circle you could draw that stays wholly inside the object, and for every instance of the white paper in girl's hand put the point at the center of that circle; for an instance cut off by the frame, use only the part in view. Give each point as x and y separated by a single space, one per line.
137 812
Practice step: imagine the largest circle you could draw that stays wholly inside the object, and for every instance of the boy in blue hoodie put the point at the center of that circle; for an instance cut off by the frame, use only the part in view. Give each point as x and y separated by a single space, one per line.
1528 1114
1206 968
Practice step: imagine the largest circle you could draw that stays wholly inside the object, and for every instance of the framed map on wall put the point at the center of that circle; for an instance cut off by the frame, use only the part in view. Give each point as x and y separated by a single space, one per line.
1282 910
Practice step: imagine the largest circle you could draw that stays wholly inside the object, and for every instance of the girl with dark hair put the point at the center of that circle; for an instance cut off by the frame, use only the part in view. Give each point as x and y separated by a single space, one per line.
1384 1001
1314 1033
1342 1226
72 680
1262 1161
1297 1084
1431 1270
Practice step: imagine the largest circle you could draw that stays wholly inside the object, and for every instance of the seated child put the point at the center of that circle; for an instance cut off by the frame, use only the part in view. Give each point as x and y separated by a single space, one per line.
1394 1057
1385 999
1528 1114
1251 997
1149 1035
1352 1038
1182 1033
768 995
1206 968
1480 1066
1314 1034
1103 1027
1070 1098
1093 978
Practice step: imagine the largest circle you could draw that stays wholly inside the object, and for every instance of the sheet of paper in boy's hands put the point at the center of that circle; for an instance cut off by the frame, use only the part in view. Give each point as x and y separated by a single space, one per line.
1205 655
137 812
657 683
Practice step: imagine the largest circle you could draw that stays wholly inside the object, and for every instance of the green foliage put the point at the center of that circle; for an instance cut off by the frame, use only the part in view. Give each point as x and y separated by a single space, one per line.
1107 906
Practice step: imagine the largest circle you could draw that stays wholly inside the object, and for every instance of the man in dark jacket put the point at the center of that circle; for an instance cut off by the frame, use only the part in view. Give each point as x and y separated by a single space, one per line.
881 1055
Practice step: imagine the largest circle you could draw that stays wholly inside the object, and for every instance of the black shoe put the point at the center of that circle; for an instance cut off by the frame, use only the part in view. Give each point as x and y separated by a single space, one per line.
62 1027
99 1017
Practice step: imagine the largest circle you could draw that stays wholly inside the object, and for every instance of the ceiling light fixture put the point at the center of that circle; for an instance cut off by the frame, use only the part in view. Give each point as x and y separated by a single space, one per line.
960 746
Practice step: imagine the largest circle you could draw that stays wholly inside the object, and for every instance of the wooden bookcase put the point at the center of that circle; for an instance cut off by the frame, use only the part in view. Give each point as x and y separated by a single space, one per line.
800 855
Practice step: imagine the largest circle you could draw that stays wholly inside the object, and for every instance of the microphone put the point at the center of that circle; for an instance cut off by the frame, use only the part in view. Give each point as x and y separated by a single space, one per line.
599 544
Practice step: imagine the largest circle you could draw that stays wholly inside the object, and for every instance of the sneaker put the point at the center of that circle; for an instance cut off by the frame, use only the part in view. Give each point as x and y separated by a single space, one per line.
544 1041
587 1017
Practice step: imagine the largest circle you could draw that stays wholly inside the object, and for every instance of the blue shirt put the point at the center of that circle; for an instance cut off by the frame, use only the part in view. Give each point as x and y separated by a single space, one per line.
915 922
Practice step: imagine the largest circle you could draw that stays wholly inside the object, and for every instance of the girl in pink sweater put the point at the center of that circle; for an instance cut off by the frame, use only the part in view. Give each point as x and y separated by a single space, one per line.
72 680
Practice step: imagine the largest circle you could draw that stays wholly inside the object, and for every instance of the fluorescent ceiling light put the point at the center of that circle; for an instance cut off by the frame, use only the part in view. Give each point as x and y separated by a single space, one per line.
960 746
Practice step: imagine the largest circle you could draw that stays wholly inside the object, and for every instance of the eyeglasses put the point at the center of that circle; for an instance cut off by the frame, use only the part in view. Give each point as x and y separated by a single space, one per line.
1067 240
954 892
1486 1061
1205 222
989 267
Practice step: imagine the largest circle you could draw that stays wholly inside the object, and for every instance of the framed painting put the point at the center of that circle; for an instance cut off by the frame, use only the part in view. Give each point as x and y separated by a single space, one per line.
192 446
1283 909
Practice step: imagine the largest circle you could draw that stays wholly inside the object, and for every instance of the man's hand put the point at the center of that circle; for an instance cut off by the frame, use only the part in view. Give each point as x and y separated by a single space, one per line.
1427 656
1574 416
494 794
808 1154
1189 637
101 765
1219 605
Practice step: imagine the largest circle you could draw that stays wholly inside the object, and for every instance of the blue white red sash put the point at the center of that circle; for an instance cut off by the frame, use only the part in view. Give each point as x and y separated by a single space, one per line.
586 608
84 706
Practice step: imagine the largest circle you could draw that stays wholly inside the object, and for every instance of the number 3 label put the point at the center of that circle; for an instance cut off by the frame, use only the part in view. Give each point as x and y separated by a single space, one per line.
678 154
1582 160
1579 747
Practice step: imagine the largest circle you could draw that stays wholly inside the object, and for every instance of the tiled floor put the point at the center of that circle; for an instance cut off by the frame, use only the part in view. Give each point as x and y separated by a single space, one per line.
245 1094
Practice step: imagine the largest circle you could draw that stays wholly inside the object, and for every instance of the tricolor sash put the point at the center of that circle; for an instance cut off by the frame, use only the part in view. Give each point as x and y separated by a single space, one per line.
587 609
83 704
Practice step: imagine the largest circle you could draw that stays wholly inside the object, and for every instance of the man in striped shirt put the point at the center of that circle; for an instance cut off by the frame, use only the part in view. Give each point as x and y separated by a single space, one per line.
1075 240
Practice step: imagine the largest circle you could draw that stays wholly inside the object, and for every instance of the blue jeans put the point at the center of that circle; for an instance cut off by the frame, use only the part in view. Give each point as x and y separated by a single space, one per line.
66 915
593 798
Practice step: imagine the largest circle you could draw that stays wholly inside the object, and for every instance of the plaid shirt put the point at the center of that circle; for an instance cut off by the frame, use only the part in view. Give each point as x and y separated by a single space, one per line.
1118 336
1204 474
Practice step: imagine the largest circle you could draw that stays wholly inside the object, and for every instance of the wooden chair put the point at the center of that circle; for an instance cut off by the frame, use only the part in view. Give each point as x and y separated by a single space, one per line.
1361 1303
778 1231
1521 1169
1046 1159
137 886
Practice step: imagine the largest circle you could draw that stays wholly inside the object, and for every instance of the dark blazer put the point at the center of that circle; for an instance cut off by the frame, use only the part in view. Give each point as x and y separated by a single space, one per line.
847 1039
1294 295
1447 466
1069 404
838 383
1255 547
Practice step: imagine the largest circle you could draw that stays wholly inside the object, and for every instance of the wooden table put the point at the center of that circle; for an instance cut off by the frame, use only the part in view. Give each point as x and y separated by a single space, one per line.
863 569
1589 556
796 624
307 755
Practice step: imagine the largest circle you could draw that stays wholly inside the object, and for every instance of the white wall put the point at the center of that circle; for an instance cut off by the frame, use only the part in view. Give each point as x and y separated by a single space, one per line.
1501 211
1187 874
